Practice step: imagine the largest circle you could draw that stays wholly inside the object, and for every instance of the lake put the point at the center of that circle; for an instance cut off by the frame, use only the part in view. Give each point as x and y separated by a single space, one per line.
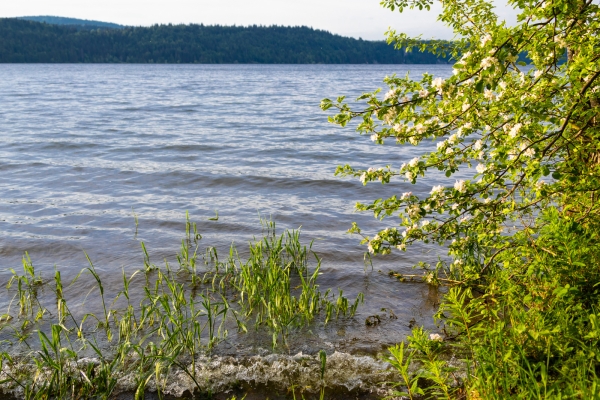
87 147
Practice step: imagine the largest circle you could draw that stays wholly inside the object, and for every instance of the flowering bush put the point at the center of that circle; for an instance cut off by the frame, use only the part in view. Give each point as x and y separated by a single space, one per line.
531 132
523 231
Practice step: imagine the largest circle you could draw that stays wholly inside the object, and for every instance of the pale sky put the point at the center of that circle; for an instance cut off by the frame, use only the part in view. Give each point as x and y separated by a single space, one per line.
356 18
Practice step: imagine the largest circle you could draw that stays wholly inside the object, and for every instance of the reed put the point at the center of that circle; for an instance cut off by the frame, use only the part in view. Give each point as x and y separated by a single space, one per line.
183 313
278 288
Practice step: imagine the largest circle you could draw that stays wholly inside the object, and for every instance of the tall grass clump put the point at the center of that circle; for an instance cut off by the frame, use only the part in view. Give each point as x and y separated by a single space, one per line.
279 289
179 315
527 328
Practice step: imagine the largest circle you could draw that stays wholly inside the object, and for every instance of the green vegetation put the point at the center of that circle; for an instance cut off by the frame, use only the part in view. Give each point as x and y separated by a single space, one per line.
520 319
180 315
81 23
34 42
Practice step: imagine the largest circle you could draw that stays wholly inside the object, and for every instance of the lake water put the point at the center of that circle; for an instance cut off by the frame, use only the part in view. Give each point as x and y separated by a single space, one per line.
85 146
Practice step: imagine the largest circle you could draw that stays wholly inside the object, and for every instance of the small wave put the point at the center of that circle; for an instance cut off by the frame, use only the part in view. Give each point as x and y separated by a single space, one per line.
344 373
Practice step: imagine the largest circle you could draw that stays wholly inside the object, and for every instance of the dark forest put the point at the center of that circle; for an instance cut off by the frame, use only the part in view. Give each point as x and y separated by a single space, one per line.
24 41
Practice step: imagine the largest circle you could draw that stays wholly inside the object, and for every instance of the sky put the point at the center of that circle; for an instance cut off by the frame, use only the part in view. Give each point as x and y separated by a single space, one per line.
355 18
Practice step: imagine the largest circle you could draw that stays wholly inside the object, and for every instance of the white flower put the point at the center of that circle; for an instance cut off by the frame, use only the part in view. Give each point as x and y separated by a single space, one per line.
514 131
401 247
465 107
441 144
413 140
480 155
453 138
530 152
370 247
405 195
460 186
374 137
455 71
425 223
423 93
420 128
398 127
478 145
363 178
404 233
502 85
414 162
437 83
481 168
449 150
413 211
437 190
537 74
455 206
409 175
389 94
390 115
488 94
405 99
465 56
487 62
485 39
371 169
436 337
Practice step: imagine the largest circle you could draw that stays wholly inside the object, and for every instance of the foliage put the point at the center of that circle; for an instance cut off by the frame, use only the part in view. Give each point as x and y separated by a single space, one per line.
34 42
79 23
520 232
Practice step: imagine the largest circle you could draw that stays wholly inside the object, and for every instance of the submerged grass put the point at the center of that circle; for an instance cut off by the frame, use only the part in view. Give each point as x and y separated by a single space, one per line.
183 314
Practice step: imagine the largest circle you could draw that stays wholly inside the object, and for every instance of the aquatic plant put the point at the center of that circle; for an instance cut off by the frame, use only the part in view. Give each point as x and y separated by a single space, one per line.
182 314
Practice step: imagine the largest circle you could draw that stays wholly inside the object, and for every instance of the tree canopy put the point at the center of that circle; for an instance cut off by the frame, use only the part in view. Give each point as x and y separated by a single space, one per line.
523 231
529 131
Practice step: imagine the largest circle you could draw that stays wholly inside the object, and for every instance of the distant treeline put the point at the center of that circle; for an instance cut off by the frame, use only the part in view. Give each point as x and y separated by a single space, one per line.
76 22
23 41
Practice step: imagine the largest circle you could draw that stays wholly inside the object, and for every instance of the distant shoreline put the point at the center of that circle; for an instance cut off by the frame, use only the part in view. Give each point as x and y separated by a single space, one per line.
25 41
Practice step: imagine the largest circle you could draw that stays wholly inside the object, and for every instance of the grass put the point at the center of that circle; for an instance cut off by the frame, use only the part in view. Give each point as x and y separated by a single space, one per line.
527 329
183 312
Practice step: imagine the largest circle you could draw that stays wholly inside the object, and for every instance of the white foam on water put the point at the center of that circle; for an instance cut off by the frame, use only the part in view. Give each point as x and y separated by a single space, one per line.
216 374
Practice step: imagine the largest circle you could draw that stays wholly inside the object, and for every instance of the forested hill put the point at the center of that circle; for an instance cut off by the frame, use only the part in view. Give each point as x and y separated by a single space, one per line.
35 42
80 23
